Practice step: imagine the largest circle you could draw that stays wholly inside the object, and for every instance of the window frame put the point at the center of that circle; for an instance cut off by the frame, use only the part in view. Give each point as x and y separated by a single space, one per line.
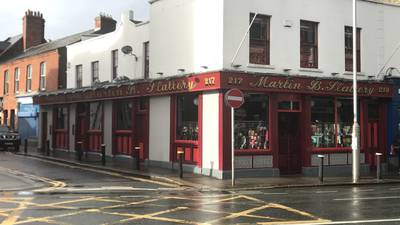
260 19
78 76
42 73
6 82
29 78
16 80
312 46
146 59
98 118
193 97
114 64
348 48
95 71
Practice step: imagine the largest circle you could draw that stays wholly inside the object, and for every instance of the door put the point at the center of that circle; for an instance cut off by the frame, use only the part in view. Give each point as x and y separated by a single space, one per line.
289 150
44 129
81 125
141 126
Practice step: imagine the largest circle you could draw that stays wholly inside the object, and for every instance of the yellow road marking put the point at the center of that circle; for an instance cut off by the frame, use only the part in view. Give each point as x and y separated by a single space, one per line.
294 222
13 217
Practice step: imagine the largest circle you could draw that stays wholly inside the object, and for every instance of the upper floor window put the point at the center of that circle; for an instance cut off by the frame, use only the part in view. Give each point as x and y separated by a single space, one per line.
114 63
95 72
259 39
348 48
6 77
78 71
308 44
42 76
16 80
146 60
28 78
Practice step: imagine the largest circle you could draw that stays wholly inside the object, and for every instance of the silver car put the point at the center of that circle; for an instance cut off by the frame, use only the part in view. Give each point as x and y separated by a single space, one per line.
9 138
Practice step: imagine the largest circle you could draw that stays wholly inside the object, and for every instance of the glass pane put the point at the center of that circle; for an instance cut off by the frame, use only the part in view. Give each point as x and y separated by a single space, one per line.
251 123
345 122
289 105
96 114
259 43
124 115
322 123
62 118
187 117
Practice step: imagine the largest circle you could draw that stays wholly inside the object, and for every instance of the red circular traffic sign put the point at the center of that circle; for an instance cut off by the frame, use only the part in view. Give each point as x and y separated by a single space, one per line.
234 98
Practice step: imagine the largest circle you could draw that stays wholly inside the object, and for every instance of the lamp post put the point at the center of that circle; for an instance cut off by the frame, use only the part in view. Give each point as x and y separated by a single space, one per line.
355 141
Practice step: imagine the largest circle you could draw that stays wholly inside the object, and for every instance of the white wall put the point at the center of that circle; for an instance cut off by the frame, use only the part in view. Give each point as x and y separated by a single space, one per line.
185 34
159 132
332 15
210 131
99 49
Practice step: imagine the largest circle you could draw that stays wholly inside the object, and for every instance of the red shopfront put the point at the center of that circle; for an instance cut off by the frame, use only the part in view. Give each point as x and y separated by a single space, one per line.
284 123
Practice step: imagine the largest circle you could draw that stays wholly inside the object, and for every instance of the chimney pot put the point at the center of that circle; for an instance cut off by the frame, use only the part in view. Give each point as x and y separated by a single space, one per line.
105 23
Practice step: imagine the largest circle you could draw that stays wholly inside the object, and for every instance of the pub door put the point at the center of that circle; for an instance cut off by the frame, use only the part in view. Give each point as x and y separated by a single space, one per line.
372 142
44 130
289 150
81 125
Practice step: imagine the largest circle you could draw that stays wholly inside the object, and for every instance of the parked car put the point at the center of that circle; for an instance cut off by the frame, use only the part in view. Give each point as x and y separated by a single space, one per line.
9 138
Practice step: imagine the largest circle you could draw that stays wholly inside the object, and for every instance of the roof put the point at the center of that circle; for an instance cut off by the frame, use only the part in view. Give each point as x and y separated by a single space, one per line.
9 42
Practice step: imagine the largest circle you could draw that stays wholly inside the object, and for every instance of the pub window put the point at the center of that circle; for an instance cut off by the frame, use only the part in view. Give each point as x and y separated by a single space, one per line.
16 80
146 60
114 63
187 117
251 123
96 115
332 120
124 115
260 39
29 78
95 72
42 83
78 72
308 44
61 118
6 84
348 39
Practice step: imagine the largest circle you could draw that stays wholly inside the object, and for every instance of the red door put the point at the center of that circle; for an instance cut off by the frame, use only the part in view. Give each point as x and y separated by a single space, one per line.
81 125
372 141
44 129
289 150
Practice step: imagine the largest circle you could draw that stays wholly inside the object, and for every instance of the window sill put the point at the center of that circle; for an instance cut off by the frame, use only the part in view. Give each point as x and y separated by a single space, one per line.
260 66
348 73
243 152
311 70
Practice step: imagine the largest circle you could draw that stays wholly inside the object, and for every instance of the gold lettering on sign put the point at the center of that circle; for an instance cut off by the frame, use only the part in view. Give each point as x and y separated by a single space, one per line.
170 86
263 82
209 81
237 81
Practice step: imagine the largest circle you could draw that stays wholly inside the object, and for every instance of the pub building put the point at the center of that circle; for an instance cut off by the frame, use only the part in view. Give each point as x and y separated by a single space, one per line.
284 123
165 93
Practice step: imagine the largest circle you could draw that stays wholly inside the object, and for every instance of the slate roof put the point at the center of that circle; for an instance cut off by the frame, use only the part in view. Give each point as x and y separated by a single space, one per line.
9 42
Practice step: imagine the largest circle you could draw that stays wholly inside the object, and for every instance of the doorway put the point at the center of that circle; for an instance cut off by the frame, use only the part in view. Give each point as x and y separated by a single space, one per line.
289 150
44 129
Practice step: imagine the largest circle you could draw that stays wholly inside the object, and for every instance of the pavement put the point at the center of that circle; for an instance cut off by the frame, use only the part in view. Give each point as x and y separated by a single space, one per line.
203 182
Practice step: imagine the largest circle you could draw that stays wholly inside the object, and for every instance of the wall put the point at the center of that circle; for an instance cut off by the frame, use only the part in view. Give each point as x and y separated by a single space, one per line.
159 129
379 34
185 35
210 133
99 49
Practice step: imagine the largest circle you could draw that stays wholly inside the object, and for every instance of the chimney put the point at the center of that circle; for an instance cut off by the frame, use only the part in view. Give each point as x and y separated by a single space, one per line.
33 29
105 23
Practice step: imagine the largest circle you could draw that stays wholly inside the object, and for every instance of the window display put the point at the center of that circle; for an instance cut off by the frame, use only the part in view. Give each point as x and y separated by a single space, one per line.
61 118
328 130
96 115
124 115
251 123
187 117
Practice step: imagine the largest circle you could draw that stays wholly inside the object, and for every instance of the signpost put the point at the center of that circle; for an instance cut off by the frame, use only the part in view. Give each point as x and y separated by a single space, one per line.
234 98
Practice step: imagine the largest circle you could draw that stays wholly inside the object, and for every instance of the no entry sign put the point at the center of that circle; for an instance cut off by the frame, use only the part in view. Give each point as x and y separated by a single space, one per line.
234 98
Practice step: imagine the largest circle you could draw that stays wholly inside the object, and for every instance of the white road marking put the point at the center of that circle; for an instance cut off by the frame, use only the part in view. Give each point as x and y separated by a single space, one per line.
323 192
365 190
366 198
394 189
275 193
349 222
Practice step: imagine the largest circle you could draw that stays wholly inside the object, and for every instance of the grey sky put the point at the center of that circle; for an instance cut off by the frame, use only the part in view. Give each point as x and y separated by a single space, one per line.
65 17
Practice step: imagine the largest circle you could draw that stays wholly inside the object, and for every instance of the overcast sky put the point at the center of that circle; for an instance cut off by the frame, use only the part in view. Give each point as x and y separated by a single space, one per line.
65 17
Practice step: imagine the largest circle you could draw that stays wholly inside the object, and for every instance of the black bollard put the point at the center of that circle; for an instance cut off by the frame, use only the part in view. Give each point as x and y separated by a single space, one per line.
137 150
78 150
321 168
180 154
103 154
378 166
48 148
26 146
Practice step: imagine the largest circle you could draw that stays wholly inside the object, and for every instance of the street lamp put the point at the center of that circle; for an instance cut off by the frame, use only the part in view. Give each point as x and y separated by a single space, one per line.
355 141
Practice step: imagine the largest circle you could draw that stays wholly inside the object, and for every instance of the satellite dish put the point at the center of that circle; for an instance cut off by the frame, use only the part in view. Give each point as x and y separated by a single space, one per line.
127 49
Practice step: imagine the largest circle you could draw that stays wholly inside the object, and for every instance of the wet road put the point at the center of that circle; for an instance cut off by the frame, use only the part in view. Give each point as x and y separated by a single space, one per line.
74 195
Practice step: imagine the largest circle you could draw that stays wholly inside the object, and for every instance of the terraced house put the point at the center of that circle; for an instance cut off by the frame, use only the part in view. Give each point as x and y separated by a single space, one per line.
160 85
29 64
